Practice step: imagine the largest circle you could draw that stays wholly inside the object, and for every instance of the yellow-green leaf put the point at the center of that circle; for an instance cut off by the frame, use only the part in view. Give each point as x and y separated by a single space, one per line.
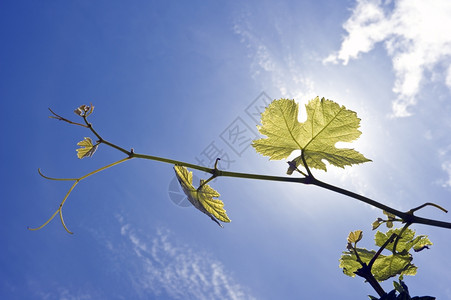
355 236
202 198
349 263
383 268
407 241
87 148
327 123
386 267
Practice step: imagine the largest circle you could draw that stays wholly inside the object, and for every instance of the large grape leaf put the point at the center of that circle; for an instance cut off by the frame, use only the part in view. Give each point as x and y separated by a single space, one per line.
327 123
202 198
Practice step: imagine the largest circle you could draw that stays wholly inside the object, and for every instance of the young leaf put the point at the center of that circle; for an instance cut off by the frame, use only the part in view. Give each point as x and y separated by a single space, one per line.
202 198
84 110
355 236
377 223
87 148
391 217
327 123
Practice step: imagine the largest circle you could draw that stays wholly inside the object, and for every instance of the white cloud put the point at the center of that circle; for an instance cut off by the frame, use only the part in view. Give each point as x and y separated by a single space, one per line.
448 77
179 271
416 37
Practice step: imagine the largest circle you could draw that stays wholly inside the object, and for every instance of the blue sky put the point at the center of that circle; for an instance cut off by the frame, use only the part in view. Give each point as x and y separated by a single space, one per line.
172 80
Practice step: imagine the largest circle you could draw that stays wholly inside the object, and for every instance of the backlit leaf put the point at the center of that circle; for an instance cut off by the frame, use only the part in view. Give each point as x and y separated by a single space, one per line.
407 241
391 217
376 223
389 266
355 236
87 148
349 263
383 268
327 123
202 198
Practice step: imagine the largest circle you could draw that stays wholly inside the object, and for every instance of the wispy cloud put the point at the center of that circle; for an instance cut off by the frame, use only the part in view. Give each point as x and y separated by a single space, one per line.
416 37
65 294
445 156
59 292
273 62
169 268
446 166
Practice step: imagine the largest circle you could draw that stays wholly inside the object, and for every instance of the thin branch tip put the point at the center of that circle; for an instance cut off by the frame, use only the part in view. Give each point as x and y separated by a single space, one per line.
428 204
60 118
42 174
216 163
52 112
62 221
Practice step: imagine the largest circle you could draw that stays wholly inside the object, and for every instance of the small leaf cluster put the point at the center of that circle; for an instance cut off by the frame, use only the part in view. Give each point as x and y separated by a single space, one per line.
399 262
388 222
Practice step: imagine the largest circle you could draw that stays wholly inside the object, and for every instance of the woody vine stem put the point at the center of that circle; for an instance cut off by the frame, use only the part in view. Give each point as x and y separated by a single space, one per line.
407 217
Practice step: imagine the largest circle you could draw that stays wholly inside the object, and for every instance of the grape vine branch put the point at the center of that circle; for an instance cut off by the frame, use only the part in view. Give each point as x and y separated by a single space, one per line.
327 123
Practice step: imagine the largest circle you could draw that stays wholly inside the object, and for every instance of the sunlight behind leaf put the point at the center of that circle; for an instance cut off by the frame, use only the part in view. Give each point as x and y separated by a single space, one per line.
327 123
